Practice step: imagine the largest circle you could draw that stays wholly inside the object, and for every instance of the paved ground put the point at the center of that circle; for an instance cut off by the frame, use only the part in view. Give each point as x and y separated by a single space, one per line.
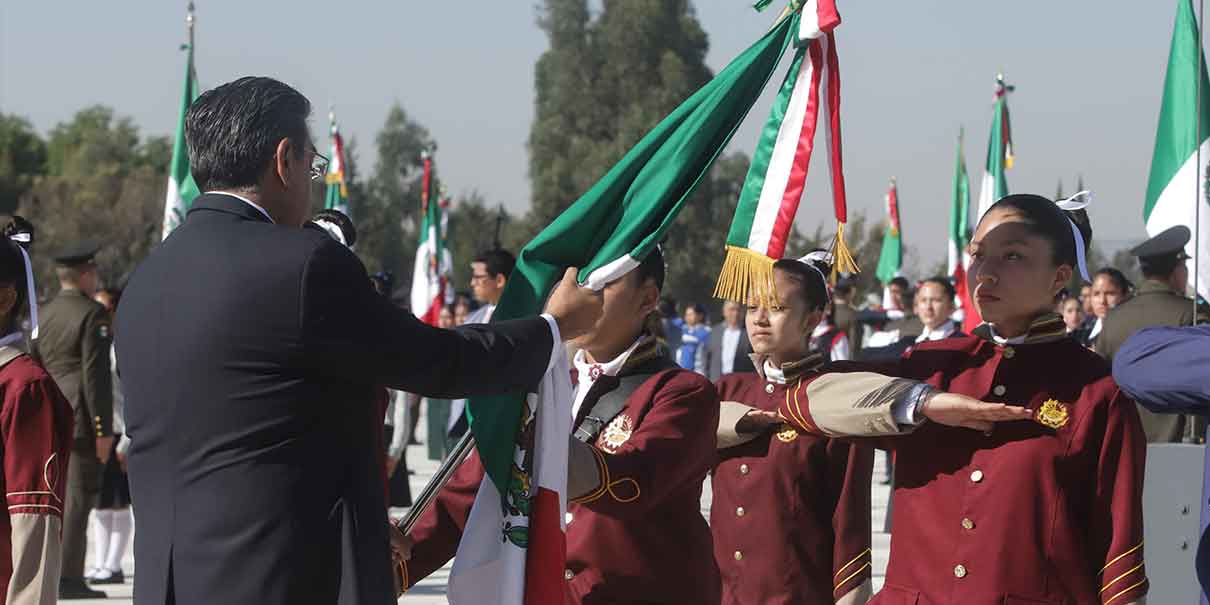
432 590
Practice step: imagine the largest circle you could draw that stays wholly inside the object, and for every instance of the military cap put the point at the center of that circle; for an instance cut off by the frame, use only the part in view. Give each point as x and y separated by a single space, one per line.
1170 243
79 254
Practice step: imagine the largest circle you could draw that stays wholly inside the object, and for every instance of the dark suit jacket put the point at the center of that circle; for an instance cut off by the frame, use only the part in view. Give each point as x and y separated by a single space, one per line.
250 354
714 353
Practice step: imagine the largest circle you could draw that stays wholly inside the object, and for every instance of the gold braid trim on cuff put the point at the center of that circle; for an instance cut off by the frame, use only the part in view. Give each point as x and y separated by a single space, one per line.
607 484
1121 556
846 566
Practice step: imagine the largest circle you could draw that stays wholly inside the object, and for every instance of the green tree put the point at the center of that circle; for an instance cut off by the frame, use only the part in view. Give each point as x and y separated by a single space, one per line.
22 159
388 211
601 85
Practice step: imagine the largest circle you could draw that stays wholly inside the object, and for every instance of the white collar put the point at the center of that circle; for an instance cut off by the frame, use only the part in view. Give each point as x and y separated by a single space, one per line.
12 339
246 201
609 368
942 332
774 374
1000 340
821 328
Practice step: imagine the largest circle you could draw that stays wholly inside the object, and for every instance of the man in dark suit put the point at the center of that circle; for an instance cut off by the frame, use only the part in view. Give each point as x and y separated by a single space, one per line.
728 349
250 350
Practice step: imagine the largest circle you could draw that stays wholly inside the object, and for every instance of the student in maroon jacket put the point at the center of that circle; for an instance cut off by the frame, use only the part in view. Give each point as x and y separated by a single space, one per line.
635 476
791 513
1046 511
35 441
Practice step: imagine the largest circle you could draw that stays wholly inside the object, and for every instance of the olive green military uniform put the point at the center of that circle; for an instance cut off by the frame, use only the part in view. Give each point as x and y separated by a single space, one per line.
73 343
1153 304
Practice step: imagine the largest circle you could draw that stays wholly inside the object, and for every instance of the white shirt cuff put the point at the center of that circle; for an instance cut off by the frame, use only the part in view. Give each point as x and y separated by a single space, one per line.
907 408
556 338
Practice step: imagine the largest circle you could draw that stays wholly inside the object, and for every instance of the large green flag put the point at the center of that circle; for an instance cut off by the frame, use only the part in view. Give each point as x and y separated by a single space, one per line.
890 261
181 188
612 227
1176 187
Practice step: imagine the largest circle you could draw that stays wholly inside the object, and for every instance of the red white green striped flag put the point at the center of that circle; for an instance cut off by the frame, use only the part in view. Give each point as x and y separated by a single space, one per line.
768 203
336 196
890 261
431 273
999 150
1177 184
959 237
513 547
181 188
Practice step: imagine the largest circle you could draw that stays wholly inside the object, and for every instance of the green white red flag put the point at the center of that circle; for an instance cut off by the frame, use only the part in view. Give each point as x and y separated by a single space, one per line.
181 188
336 194
768 203
431 288
999 150
890 261
1176 188
513 547
959 237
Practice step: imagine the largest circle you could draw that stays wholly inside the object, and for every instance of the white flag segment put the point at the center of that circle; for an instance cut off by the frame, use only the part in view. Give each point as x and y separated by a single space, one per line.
490 569
1177 205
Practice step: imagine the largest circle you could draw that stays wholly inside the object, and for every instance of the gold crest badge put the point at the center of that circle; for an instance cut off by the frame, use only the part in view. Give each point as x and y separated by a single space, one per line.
1053 414
617 433
787 434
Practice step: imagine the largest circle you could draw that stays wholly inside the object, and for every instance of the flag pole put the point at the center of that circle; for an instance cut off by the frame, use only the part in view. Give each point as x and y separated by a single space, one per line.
190 19
457 456
1197 195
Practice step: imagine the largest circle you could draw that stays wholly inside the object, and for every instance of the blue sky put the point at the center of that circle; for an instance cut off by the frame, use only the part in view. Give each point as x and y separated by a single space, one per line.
1088 77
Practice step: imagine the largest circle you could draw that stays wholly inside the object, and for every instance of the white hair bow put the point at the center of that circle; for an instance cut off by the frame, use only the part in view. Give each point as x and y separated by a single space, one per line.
1078 201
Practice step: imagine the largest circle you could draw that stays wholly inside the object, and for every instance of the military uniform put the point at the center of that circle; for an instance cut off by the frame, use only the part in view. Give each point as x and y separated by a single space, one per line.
1155 304
791 513
636 533
1042 512
73 344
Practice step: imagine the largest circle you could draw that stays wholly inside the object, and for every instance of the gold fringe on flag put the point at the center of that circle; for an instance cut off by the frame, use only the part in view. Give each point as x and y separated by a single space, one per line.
842 258
746 278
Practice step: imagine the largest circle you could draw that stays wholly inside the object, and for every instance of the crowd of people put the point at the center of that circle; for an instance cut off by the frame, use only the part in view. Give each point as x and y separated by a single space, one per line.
270 387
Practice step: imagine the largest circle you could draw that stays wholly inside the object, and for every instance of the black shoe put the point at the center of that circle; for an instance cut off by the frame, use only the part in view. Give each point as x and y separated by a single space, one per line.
75 588
106 576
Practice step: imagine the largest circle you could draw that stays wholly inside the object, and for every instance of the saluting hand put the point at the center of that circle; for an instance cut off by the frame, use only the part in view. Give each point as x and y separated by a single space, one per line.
575 309
953 409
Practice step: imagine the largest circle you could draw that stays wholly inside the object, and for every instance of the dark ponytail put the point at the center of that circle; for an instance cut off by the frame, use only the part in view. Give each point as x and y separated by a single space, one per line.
809 278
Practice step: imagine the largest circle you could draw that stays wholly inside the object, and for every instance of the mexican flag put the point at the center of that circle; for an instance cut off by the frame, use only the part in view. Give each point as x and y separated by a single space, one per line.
1177 185
768 202
890 262
959 237
336 196
431 289
999 150
181 188
513 547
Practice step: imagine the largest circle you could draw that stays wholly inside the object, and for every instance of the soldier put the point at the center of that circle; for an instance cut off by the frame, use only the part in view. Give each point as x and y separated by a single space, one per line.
644 438
791 513
1158 301
74 343
35 437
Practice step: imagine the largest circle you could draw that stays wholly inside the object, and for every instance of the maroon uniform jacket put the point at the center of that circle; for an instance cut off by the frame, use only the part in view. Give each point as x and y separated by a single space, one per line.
791 512
35 440
640 537
1047 512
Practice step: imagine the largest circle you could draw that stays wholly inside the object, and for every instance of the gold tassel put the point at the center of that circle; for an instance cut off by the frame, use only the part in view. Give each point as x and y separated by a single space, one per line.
843 261
746 278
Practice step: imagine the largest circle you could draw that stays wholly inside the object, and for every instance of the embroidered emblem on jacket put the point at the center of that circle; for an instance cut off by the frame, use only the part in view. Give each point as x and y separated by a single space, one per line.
617 433
1053 414
787 434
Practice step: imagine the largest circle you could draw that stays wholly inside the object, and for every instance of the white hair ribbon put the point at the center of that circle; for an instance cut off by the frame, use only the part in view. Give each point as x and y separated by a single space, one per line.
822 256
1078 201
333 229
21 237
31 294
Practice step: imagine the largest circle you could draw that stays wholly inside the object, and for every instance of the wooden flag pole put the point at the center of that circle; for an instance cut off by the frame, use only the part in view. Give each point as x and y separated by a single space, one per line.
457 456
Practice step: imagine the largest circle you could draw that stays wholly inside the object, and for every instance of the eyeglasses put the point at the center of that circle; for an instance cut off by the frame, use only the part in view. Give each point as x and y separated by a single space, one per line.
479 277
319 165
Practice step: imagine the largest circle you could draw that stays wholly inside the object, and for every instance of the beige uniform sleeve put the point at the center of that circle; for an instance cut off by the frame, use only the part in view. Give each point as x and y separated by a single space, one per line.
852 404
729 415
37 552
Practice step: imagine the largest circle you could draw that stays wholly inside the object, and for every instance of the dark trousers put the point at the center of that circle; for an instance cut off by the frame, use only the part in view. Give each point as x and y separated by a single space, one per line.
83 489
